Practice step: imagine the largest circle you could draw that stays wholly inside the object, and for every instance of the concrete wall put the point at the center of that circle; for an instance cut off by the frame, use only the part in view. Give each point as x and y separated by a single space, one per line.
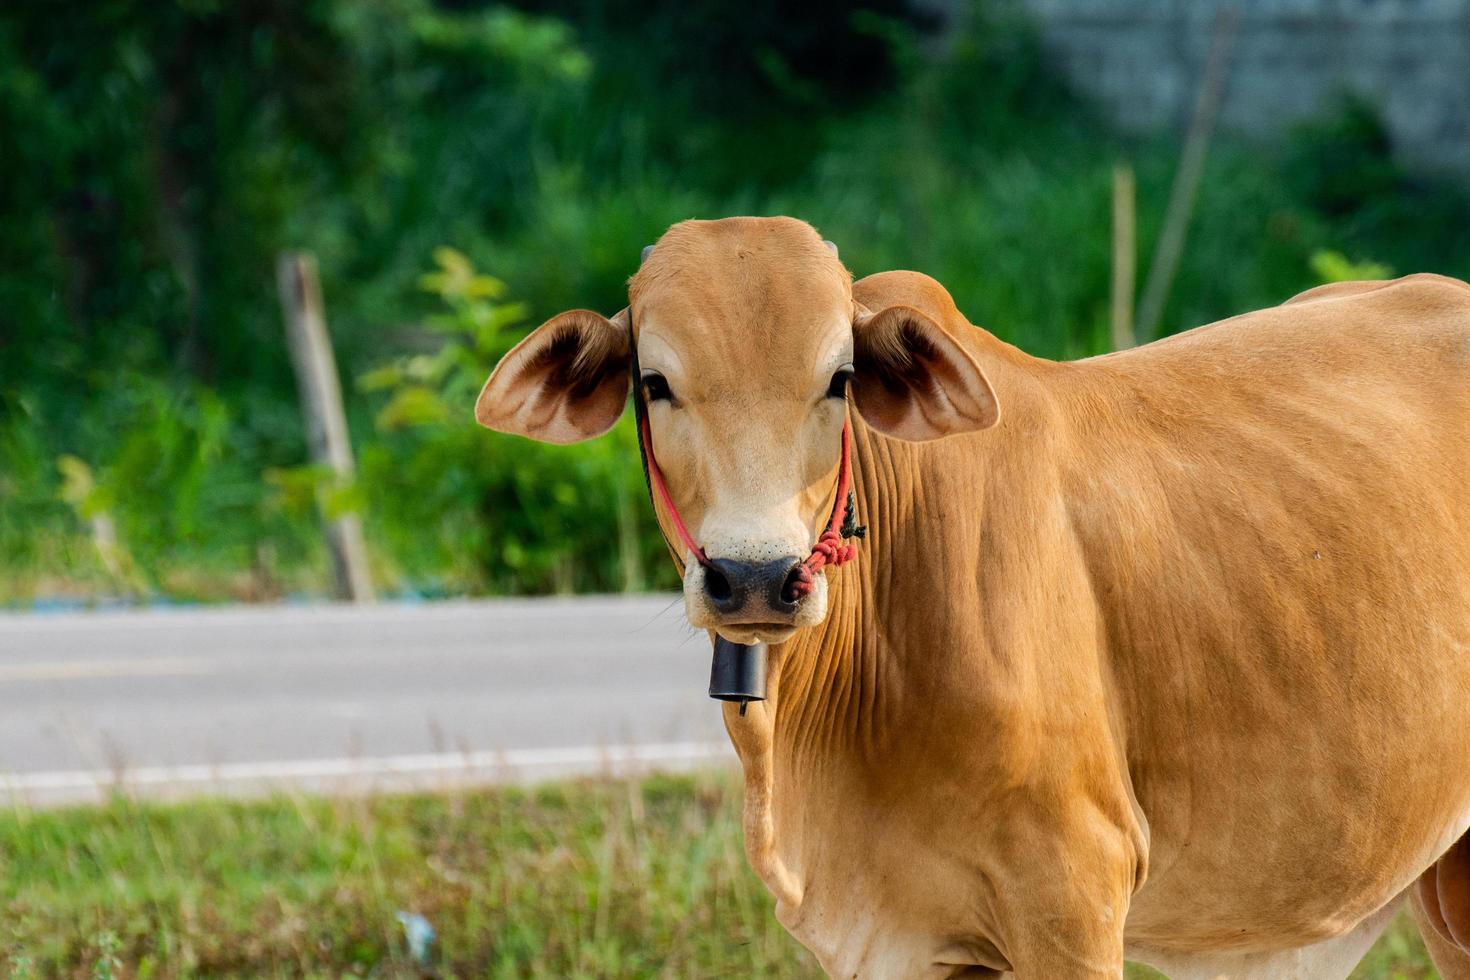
1142 60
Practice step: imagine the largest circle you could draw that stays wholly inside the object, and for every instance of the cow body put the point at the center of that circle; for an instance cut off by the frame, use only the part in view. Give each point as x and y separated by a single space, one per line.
1163 654
1183 642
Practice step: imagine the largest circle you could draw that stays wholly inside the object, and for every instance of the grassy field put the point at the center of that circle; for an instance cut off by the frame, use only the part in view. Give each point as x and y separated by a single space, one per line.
589 879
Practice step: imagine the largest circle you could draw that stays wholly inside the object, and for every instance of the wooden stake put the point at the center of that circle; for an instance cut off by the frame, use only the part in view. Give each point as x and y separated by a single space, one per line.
1186 181
326 423
1125 260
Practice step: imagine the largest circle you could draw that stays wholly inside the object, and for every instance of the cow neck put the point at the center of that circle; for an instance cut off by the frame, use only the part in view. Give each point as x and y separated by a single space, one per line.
831 669
851 689
823 694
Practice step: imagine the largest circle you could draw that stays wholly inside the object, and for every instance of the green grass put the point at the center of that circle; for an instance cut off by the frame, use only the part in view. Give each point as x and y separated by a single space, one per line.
587 879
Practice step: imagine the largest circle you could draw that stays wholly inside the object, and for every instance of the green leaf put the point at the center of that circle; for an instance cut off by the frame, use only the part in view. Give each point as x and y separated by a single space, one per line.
77 484
80 489
412 406
484 287
454 262
340 498
296 487
380 378
1333 266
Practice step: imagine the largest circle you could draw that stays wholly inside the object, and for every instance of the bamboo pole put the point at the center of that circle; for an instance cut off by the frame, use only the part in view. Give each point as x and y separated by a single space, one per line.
1165 263
1125 256
326 422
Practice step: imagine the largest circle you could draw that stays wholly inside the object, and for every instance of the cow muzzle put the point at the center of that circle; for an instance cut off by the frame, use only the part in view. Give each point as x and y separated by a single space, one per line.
733 587
752 601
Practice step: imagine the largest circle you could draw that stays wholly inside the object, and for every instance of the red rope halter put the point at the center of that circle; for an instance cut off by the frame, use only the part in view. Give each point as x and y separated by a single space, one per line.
829 549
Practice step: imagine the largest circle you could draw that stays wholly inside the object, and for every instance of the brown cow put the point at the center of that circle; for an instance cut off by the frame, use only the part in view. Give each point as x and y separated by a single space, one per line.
1163 654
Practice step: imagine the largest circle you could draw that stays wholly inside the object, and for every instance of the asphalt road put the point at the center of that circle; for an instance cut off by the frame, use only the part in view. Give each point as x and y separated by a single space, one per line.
343 699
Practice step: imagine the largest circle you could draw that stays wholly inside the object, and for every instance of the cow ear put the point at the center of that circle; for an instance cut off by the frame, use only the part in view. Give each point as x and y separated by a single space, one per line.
914 381
566 382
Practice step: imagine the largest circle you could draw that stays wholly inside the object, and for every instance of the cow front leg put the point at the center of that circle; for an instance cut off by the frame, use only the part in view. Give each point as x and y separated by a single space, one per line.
1061 915
1068 949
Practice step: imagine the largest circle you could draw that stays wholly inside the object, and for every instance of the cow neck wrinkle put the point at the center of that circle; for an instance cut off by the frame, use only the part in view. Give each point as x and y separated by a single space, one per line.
830 678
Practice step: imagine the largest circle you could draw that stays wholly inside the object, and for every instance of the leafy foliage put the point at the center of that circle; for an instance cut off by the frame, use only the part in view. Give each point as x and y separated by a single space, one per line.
161 155
1333 266
503 514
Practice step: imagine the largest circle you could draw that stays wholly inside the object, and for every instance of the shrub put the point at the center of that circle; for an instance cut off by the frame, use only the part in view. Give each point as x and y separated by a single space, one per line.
463 509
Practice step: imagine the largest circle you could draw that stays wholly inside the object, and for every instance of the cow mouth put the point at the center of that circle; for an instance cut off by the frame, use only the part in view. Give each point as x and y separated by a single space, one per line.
758 632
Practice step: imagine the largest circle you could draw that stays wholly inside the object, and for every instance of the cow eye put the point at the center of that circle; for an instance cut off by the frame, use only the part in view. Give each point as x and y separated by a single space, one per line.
837 388
656 388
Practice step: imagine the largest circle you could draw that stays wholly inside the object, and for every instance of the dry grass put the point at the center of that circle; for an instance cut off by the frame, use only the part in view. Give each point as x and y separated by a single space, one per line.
638 878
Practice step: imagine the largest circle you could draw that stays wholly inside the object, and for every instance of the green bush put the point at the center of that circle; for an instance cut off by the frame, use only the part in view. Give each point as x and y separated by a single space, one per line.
463 509
165 153
172 469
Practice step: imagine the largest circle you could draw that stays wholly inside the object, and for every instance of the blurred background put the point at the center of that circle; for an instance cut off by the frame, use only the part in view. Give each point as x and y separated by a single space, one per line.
181 180
463 171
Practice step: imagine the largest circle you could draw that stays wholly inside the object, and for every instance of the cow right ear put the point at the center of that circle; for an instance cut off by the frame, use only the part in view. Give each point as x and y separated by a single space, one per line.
914 381
567 381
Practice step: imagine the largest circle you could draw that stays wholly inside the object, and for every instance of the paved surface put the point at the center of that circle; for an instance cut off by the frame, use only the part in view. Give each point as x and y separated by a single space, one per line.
341 698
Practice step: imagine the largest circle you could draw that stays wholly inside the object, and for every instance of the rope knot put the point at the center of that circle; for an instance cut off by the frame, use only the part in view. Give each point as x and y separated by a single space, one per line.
829 550
827 546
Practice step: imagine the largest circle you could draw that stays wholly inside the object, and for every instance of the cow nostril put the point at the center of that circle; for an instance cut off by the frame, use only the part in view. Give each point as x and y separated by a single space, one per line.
797 585
716 584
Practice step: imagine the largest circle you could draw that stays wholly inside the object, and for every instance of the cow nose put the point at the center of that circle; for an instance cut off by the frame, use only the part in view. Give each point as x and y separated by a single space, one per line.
733 585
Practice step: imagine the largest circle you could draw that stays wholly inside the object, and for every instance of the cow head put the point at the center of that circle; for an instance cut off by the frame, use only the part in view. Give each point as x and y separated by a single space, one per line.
749 347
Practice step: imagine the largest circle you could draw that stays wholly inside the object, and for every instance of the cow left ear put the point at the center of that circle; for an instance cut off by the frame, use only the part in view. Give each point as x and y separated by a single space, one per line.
567 381
914 381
